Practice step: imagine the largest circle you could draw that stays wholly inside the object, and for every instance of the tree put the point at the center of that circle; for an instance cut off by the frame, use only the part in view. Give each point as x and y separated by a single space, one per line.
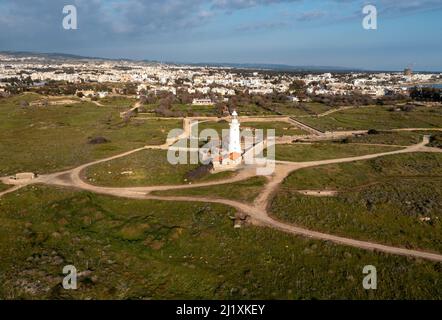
426 94
130 89
24 104
298 85
220 108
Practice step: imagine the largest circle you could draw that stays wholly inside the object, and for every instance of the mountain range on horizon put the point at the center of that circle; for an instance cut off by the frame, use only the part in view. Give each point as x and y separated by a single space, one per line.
251 66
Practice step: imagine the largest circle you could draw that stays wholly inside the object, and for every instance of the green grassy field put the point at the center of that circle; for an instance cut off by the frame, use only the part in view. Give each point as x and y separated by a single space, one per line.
253 110
215 176
145 168
48 139
302 109
246 190
403 138
207 110
139 249
379 118
3 187
191 110
394 200
315 107
128 249
324 151
436 140
281 128
36 99
118 101
218 126
291 109
347 176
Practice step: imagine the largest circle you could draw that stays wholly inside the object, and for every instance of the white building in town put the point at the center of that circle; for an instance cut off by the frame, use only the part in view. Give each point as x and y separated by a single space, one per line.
202 102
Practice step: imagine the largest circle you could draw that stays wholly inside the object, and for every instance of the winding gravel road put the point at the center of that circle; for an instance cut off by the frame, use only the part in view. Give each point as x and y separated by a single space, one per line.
257 211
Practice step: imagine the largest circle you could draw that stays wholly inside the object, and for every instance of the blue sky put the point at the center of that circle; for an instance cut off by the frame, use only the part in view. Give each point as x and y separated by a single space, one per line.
295 32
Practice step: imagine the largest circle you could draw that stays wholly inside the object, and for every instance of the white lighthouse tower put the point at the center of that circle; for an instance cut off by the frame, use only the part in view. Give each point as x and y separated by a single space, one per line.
235 136
231 156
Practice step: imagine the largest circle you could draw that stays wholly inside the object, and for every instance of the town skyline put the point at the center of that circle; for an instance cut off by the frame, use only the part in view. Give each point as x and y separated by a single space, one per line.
318 33
318 68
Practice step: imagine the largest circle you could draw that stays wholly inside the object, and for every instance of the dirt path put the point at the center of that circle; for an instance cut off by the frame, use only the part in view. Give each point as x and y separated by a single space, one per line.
326 113
318 193
416 129
377 144
97 103
259 214
305 127
331 111
12 189
258 211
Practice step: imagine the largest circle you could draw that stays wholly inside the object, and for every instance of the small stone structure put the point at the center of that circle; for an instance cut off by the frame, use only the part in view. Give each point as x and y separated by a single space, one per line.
22 177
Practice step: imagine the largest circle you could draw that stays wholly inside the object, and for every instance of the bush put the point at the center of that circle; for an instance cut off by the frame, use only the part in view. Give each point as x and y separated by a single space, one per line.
199 172
436 140
98 140
426 94
24 104
408 108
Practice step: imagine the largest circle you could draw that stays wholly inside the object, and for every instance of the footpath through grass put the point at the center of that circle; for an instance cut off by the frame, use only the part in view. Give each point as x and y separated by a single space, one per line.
281 128
377 117
146 168
53 138
403 138
393 200
246 190
324 151
143 168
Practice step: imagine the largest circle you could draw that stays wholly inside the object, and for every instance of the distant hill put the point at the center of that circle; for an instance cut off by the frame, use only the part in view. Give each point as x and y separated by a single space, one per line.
252 66
277 67
49 56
